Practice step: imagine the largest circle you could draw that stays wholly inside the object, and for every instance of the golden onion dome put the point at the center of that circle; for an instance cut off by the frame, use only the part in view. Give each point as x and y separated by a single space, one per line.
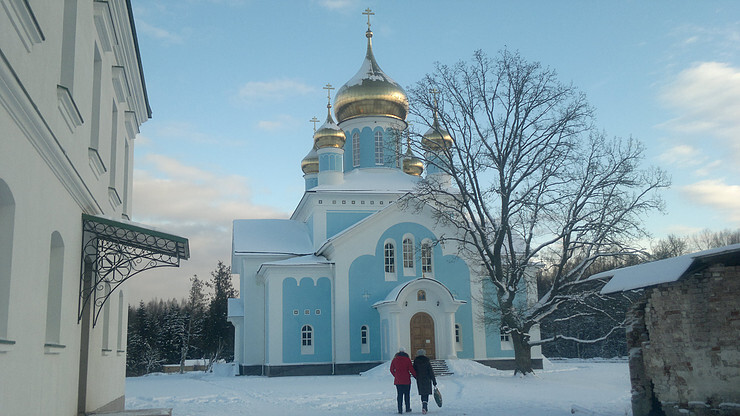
412 165
310 163
329 134
370 92
437 138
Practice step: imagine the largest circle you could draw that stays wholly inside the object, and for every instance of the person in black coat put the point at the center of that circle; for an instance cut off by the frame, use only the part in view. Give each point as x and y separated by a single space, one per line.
424 378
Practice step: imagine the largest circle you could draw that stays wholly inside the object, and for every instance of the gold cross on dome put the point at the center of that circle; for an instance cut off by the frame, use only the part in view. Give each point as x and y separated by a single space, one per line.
314 120
328 89
368 13
435 93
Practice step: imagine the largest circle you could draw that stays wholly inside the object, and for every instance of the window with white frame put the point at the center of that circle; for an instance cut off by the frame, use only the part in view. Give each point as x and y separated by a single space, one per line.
365 339
506 343
378 147
390 257
355 149
408 255
426 258
307 339
458 337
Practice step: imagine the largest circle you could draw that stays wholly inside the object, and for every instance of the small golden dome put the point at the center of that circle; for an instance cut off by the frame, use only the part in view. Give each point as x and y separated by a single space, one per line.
370 92
412 165
437 138
310 163
329 134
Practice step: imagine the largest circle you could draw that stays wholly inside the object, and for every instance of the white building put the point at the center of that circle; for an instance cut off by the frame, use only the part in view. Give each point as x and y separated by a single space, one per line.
72 98
352 275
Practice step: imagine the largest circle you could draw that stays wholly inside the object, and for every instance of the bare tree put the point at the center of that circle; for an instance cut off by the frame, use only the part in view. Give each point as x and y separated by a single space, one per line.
515 164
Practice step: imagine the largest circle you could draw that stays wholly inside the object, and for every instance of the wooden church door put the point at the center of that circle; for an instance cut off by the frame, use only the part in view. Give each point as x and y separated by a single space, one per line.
422 334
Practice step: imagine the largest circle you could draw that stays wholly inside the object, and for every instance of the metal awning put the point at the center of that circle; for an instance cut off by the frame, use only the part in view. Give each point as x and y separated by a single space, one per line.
115 250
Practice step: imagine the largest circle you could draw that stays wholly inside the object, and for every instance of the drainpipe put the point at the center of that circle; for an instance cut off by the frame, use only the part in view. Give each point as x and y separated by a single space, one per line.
333 319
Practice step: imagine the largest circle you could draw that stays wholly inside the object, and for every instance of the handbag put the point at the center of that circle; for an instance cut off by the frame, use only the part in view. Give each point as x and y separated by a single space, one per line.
437 397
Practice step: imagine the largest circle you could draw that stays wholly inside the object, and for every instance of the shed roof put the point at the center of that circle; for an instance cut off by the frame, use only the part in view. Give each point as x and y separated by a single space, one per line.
666 270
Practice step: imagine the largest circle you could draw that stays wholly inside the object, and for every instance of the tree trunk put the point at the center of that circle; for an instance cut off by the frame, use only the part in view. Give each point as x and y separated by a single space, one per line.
522 354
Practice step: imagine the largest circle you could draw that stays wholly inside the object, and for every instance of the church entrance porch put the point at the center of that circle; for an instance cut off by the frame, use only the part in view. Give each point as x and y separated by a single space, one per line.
419 314
422 335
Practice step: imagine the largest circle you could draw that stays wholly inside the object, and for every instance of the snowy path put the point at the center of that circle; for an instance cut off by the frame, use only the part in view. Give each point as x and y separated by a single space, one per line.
602 387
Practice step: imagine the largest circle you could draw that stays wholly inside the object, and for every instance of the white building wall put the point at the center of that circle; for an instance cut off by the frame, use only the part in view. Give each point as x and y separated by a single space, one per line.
45 161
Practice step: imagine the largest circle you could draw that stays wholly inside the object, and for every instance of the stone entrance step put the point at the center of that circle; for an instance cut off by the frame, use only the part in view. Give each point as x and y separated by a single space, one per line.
440 368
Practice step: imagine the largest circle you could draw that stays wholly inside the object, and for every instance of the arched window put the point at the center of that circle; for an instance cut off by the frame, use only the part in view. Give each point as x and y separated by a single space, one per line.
7 223
408 253
365 339
54 290
355 149
378 147
426 258
307 339
390 257
421 296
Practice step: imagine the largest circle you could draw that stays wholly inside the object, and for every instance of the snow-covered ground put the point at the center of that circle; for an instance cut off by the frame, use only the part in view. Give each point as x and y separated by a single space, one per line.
592 387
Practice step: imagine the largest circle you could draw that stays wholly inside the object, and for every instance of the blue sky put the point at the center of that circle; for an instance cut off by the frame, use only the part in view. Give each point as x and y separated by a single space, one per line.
233 84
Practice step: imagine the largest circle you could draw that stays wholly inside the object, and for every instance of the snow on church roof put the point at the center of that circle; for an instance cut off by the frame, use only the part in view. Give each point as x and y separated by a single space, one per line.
657 272
376 180
271 236
300 261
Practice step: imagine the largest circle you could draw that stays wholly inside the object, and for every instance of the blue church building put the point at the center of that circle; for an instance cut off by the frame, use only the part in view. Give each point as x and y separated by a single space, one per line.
355 274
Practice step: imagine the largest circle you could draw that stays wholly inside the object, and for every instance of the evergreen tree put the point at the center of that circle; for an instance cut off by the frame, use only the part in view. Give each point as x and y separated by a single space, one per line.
219 333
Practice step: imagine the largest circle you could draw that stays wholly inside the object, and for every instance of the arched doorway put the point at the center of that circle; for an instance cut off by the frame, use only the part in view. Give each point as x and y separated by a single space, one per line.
422 334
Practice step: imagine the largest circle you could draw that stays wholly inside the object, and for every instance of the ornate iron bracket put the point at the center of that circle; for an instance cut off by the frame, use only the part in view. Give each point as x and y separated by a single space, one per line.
114 251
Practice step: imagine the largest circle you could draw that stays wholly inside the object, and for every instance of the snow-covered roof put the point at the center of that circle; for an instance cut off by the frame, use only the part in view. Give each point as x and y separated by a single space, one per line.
657 272
373 180
300 261
271 236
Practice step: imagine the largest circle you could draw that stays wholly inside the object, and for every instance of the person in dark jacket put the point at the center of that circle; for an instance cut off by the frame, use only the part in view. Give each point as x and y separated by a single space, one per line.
424 378
402 370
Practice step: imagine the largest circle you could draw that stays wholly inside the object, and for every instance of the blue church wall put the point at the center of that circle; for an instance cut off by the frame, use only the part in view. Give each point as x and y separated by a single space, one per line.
367 148
338 221
367 285
330 162
312 298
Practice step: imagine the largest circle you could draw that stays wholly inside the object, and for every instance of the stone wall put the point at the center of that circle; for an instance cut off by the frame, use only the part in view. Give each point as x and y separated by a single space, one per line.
684 356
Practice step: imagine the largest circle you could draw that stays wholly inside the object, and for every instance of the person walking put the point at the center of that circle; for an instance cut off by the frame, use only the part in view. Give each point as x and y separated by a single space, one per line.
402 370
424 378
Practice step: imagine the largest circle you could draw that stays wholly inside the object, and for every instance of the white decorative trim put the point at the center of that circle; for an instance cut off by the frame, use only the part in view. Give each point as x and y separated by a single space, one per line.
104 25
24 22
96 163
132 125
120 84
22 110
68 109
115 200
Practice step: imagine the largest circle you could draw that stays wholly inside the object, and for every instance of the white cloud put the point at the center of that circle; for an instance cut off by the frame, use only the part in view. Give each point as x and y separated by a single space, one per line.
275 89
281 122
339 4
716 194
681 154
707 169
707 100
157 33
193 203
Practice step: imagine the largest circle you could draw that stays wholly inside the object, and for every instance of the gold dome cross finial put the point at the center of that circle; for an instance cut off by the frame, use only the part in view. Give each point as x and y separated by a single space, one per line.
435 93
328 89
368 13
314 120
